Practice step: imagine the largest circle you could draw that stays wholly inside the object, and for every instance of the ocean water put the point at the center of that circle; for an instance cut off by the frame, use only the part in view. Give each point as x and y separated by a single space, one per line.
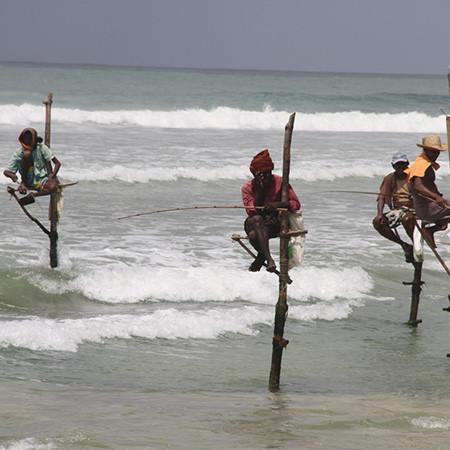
152 333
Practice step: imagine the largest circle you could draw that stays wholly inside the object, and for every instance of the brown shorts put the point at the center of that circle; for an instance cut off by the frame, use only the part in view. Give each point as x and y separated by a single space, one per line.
271 223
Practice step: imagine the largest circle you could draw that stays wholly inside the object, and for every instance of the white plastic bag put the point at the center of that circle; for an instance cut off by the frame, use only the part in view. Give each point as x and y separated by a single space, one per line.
296 246
418 243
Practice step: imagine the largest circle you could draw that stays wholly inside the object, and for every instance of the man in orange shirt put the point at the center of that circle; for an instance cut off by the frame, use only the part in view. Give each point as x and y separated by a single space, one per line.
394 191
262 224
429 203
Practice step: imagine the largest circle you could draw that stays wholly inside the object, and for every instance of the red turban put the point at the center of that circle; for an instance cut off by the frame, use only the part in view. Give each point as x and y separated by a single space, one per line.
262 162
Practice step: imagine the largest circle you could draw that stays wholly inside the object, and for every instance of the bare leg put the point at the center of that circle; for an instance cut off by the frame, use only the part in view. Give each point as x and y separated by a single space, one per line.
258 235
48 188
387 232
429 232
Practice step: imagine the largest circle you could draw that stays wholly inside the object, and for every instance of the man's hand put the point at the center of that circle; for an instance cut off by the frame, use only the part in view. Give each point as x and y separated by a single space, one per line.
270 208
379 219
441 201
22 189
274 206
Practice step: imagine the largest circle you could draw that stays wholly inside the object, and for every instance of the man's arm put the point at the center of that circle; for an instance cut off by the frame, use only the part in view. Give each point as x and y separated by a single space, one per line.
385 196
292 204
10 174
423 191
381 202
248 199
56 167
13 166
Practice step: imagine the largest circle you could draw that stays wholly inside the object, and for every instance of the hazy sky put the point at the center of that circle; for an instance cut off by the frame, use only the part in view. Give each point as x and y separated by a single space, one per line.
396 36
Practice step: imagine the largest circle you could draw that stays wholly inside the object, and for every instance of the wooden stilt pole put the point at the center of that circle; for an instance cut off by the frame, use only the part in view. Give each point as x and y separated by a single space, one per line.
448 129
281 309
416 289
53 197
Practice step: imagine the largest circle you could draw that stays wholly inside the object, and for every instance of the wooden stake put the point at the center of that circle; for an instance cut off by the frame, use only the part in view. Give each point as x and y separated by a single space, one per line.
12 191
281 309
53 216
448 128
416 289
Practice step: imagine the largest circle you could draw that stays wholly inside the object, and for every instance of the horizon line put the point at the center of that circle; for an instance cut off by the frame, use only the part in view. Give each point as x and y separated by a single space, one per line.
444 73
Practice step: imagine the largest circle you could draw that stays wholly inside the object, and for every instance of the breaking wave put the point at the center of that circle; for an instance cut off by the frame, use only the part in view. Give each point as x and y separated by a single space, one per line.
37 333
308 172
431 423
131 284
227 118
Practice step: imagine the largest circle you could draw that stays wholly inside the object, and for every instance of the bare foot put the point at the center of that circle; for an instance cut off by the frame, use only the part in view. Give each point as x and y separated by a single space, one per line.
271 267
256 265
27 200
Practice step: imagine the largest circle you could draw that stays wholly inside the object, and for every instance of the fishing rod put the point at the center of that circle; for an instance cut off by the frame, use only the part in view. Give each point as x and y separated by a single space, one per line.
187 208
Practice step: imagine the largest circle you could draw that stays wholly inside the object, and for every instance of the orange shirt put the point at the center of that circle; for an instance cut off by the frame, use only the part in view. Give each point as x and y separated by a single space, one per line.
420 166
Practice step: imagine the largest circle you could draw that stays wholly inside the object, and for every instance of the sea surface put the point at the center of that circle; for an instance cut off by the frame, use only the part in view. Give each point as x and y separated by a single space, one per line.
152 333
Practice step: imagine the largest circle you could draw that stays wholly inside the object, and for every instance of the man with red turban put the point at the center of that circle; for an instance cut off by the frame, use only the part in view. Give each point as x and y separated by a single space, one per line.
262 223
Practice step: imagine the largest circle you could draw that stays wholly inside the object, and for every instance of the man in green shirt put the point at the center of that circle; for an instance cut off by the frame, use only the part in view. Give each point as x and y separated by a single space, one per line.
33 160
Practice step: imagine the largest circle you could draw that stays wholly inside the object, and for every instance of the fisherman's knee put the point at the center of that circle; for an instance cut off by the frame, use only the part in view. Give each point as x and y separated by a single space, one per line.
255 221
375 224
251 235
50 186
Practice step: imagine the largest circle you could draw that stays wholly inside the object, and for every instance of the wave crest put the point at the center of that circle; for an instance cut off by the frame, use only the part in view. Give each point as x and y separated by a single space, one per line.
226 118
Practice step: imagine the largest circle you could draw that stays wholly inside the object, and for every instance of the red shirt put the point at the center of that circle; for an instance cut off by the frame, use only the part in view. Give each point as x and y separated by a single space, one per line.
272 195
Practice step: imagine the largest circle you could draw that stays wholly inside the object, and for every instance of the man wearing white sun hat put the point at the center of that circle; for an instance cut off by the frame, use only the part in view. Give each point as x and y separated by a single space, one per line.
394 192
429 203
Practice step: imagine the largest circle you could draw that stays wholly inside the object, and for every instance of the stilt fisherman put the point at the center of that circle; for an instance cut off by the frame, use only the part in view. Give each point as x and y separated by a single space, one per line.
394 192
429 203
264 190
33 160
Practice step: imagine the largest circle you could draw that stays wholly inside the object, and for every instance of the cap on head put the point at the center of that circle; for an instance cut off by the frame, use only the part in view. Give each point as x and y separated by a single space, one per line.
433 143
399 157
261 162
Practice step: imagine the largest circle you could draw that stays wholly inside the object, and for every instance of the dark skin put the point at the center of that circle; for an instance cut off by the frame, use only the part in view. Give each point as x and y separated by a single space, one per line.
381 224
426 187
264 225
52 182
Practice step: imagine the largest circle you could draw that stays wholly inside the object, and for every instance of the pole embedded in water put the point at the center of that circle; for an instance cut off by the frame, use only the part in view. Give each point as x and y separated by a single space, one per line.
447 119
416 289
53 197
281 309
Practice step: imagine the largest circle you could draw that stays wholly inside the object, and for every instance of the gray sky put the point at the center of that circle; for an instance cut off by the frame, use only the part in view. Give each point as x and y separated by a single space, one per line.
393 36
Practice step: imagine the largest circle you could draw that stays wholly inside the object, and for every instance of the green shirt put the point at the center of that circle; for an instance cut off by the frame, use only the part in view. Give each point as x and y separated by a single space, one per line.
41 155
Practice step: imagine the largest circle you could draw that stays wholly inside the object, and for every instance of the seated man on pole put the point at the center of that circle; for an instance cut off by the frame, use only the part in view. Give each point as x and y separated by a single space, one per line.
430 205
33 161
394 191
262 199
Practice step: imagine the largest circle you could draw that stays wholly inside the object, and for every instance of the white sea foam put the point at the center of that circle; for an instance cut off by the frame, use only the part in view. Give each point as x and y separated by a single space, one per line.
323 311
317 171
432 423
27 444
131 284
310 171
66 335
231 118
